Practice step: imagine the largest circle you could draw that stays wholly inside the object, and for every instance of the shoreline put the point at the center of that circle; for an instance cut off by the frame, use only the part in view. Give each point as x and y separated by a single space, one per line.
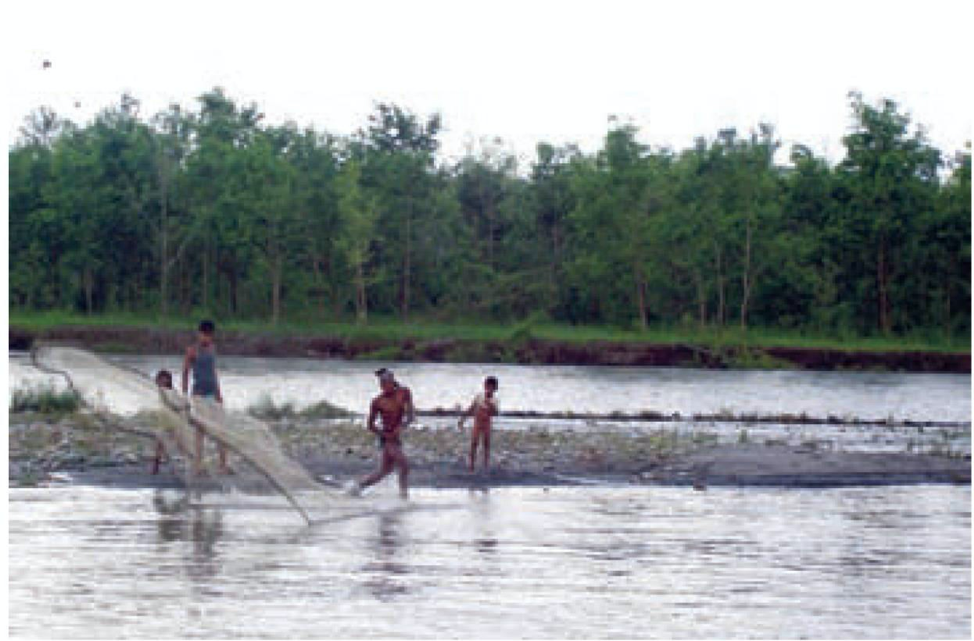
526 351
74 449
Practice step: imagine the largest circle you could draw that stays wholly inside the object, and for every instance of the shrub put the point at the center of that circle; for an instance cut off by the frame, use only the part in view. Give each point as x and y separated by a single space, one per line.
44 399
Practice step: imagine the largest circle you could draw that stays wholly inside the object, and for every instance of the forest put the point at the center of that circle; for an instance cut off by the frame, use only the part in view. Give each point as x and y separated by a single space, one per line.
213 211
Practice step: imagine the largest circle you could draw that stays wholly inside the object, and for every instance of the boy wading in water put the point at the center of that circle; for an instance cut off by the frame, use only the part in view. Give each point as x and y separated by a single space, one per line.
483 408
394 405
201 360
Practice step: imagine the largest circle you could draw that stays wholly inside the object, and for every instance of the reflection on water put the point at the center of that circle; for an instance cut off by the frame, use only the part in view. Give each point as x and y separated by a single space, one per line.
598 562
382 572
181 521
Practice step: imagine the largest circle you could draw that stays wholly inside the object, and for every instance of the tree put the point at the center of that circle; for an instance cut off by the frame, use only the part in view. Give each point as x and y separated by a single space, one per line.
889 175
550 197
172 138
612 224
359 214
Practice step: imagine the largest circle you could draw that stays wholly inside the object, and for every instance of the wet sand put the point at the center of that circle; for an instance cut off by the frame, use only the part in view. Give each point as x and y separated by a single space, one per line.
76 449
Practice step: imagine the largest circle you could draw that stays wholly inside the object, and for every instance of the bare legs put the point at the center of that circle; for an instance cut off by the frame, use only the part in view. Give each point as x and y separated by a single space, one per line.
392 458
160 451
480 435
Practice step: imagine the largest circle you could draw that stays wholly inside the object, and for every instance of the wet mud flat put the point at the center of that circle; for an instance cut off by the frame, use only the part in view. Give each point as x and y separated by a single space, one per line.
76 449
531 351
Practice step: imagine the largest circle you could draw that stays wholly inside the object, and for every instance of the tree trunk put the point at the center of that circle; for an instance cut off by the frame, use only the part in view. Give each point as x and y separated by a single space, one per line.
640 296
720 286
701 299
947 312
882 279
361 302
555 263
164 238
232 282
205 298
319 282
276 270
89 284
746 279
490 238
407 263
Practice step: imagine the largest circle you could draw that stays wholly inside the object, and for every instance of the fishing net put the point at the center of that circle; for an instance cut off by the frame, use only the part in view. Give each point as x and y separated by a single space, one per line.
127 399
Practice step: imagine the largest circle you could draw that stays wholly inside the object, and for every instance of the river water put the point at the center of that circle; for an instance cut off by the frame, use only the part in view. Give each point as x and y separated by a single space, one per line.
604 561
593 562
350 384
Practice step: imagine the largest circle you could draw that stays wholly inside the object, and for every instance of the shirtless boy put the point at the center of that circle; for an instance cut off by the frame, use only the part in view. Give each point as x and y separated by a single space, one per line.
394 405
483 408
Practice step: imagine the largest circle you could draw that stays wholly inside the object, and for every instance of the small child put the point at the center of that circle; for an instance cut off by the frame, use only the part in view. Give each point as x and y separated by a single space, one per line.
483 408
163 380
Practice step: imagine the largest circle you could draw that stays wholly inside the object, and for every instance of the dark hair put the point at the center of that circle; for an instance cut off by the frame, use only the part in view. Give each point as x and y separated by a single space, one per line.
492 381
207 327
164 374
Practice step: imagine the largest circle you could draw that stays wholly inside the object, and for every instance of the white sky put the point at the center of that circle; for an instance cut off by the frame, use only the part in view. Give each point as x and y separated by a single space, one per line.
524 71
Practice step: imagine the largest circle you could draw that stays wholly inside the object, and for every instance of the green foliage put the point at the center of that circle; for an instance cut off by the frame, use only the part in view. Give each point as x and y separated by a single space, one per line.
265 408
211 211
44 399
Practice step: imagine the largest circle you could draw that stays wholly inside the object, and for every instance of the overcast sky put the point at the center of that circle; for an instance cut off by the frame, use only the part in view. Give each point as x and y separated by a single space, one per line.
524 71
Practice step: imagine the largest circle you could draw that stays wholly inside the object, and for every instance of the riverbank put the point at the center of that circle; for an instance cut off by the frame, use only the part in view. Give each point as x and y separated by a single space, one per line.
74 448
522 347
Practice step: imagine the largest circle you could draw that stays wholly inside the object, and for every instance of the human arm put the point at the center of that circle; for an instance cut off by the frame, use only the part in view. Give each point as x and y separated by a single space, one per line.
410 410
187 364
373 413
469 412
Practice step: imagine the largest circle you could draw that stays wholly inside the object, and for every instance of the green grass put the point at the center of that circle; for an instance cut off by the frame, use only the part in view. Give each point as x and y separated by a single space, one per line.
266 408
43 399
392 329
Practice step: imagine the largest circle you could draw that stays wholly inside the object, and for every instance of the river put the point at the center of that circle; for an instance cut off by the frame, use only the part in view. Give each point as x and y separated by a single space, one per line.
350 384
600 561
593 562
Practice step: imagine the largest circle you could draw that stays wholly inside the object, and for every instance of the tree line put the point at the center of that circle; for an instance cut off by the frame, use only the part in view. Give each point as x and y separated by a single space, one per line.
212 210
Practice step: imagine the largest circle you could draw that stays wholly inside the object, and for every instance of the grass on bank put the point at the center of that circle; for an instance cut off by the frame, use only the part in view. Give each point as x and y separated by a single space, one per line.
43 399
392 329
265 408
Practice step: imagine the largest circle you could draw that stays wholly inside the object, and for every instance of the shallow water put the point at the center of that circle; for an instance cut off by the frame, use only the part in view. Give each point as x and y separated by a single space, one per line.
596 562
350 384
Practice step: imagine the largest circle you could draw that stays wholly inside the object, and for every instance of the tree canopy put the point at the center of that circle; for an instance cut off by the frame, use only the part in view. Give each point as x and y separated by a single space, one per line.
212 210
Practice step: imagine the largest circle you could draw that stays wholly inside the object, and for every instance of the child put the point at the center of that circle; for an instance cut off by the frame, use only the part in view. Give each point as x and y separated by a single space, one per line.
483 407
201 359
163 380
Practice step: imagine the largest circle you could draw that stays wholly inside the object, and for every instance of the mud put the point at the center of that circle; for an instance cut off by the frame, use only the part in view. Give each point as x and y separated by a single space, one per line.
529 351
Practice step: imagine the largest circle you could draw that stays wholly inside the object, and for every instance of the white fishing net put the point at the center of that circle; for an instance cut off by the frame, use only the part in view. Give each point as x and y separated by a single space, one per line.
129 400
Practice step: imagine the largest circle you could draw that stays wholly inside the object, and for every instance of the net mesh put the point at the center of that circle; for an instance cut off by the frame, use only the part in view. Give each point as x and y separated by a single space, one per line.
129 400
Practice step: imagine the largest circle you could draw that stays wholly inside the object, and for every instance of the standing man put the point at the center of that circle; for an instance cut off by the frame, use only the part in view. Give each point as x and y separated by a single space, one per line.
201 360
394 405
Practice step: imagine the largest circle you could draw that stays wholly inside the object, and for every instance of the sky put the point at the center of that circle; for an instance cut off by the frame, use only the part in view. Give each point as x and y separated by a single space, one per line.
521 71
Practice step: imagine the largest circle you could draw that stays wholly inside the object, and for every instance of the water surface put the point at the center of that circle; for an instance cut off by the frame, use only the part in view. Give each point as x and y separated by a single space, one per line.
595 562
543 388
